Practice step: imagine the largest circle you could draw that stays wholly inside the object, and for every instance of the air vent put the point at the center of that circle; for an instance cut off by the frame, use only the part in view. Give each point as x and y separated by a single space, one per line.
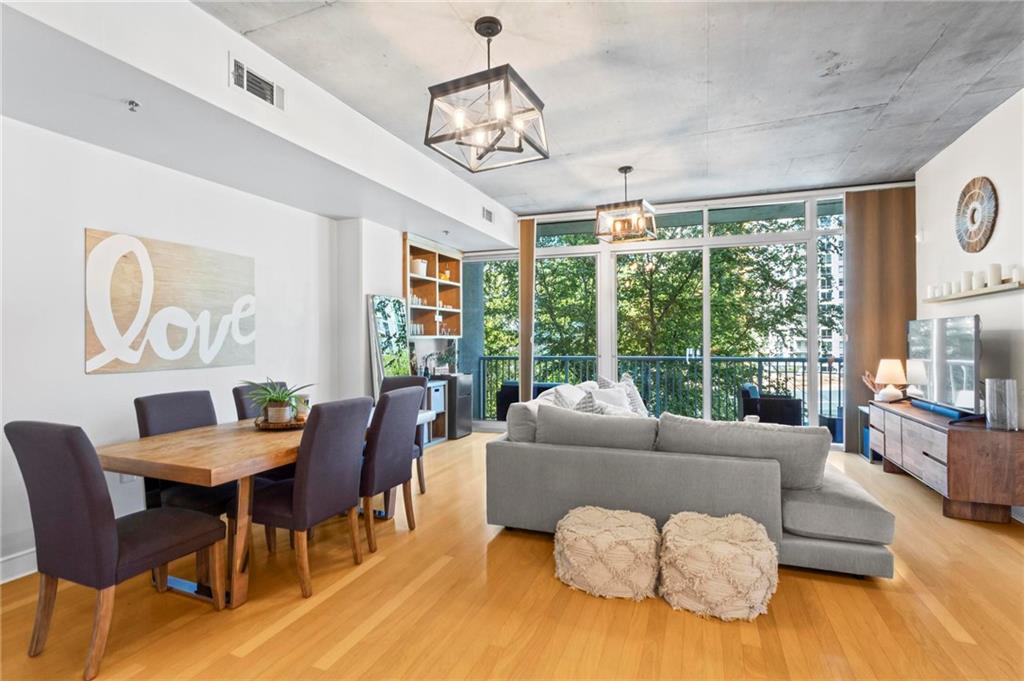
256 85
488 215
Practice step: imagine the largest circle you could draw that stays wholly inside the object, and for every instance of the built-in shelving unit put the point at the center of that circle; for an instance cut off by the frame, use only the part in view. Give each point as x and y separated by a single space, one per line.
988 290
434 296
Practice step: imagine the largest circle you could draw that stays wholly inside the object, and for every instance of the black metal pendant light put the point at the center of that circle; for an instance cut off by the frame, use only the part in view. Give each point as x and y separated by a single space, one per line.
626 220
491 119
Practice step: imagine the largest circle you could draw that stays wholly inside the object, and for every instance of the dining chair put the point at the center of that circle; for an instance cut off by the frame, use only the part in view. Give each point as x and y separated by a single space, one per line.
396 383
79 539
326 483
247 409
170 413
390 447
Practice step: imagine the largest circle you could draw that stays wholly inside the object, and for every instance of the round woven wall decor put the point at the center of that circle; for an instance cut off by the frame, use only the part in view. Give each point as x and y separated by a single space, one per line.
976 214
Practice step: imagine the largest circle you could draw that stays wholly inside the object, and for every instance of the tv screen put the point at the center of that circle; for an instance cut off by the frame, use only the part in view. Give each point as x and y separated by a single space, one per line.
942 361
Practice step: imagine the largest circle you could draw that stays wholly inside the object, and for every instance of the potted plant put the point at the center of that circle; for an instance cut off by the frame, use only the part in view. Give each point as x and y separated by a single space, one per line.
276 399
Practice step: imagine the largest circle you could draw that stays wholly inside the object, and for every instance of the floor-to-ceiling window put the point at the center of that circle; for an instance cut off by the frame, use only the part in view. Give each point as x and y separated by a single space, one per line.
731 292
489 347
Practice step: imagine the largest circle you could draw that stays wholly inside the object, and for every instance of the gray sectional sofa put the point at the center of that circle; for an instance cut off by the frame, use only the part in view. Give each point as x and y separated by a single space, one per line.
553 459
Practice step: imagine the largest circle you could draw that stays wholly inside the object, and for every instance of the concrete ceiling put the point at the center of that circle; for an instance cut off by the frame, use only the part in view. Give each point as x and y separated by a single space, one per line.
705 99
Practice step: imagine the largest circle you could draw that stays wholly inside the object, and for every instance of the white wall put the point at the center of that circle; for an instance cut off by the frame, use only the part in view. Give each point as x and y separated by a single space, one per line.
994 148
53 188
369 258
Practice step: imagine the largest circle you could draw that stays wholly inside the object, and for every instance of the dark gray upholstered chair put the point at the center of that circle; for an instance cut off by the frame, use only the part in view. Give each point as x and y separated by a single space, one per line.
247 409
390 448
169 413
395 383
79 539
326 483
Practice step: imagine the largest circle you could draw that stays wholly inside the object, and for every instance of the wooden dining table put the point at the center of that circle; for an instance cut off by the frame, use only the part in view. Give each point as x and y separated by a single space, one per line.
210 456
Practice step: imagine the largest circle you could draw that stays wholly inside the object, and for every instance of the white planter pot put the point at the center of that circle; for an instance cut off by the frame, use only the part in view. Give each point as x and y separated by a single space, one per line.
279 414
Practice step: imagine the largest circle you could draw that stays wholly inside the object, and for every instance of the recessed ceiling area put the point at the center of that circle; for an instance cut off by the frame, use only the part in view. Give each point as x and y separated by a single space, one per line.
704 99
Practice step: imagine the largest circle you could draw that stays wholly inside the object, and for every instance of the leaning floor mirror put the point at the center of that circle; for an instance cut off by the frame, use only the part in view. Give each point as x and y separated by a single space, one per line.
389 339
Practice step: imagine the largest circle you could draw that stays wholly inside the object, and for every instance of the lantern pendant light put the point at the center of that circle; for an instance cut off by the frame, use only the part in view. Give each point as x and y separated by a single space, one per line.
627 220
490 119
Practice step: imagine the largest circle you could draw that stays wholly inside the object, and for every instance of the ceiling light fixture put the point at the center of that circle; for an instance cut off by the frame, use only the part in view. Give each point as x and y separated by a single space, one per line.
626 220
490 119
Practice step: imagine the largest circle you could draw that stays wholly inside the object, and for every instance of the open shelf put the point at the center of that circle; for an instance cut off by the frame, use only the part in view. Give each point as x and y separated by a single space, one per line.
435 297
988 290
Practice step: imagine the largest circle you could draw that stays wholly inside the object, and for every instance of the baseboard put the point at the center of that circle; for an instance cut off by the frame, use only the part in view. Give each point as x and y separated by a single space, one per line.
17 565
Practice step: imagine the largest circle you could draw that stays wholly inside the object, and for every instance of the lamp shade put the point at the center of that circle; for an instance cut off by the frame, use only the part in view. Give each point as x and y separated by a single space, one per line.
917 373
890 372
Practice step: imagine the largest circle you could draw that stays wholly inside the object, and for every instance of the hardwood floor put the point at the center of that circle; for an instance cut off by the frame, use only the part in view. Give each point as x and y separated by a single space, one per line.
460 599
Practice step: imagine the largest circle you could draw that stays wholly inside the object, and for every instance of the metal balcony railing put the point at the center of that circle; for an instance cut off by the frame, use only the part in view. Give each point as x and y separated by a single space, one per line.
675 384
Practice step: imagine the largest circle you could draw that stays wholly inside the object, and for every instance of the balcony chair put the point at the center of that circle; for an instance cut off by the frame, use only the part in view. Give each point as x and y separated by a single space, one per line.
78 538
508 394
247 409
326 483
770 408
396 383
390 448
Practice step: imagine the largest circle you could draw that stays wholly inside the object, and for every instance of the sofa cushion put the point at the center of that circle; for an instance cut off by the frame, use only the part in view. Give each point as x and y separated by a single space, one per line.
800 451
636 402
557 426
839 509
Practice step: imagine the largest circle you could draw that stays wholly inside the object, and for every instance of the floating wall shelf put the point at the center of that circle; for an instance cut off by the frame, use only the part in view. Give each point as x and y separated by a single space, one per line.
988 290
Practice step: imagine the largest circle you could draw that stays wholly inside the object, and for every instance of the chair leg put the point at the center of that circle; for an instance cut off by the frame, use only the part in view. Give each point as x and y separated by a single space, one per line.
302 561
410 517
371 539
100 630
353 529
216 555
160 578
309 535
291 539
44 613
421 475
271 534
202 569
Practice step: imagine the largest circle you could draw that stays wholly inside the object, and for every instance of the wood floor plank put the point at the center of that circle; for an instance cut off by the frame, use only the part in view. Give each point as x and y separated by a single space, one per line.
458 598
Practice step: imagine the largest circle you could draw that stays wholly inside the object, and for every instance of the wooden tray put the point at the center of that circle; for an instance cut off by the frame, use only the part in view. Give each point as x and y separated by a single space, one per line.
261 424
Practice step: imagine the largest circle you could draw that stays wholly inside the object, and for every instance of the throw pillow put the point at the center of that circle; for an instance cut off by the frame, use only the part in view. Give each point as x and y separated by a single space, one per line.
636 403
590 404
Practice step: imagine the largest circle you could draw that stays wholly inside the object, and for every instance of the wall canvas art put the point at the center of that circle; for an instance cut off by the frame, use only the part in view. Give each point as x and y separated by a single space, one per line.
153 305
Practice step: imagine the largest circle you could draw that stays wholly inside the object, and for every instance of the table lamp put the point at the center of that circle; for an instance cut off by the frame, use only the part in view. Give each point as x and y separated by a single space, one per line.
917 377
890 372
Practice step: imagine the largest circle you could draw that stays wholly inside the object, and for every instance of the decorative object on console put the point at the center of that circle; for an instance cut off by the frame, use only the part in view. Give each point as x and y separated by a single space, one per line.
490 119
976 213
626 220
890 373
1001 404
136 289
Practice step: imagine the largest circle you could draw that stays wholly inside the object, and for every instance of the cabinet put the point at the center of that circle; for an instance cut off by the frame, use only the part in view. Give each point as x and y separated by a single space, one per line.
979 472
433 288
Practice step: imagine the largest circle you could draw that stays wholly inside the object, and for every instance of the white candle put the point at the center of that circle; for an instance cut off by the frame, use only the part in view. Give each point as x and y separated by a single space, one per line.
979 279
995 274
1015 274
956 287
967 280
947 288
931 292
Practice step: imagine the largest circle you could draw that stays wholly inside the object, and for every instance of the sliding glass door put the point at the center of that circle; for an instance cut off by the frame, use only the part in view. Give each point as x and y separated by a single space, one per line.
565 320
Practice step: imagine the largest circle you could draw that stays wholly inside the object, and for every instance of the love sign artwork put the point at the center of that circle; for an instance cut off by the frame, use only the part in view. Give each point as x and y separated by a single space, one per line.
152 305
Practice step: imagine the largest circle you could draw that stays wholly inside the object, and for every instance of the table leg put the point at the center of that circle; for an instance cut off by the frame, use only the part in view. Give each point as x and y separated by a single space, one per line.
241 541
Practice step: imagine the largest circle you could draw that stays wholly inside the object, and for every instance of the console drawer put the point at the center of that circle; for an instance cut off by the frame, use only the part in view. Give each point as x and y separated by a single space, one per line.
926 469
877 418
893 438
877 440
924 439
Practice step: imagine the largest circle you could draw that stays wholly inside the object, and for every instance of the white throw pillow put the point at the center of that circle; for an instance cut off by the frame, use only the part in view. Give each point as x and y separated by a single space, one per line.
614 396
565 396
590 404
636 403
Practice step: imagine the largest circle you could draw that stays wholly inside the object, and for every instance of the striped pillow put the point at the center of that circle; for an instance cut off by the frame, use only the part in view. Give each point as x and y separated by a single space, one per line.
591 405
636 403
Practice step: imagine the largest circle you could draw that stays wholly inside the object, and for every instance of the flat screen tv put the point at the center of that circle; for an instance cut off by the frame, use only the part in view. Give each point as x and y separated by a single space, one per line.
943 356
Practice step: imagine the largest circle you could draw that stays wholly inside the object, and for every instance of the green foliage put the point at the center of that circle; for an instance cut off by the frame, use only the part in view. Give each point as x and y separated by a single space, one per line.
501 307
273 393
566 306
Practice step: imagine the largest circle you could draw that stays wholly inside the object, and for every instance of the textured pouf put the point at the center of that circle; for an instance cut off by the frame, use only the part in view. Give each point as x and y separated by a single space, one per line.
613 554
718 567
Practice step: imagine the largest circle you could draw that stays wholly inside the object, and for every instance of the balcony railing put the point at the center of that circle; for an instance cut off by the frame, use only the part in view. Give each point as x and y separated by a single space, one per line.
675 384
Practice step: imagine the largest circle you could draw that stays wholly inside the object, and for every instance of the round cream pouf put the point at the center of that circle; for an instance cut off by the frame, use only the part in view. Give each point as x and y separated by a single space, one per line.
718 567
613 554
